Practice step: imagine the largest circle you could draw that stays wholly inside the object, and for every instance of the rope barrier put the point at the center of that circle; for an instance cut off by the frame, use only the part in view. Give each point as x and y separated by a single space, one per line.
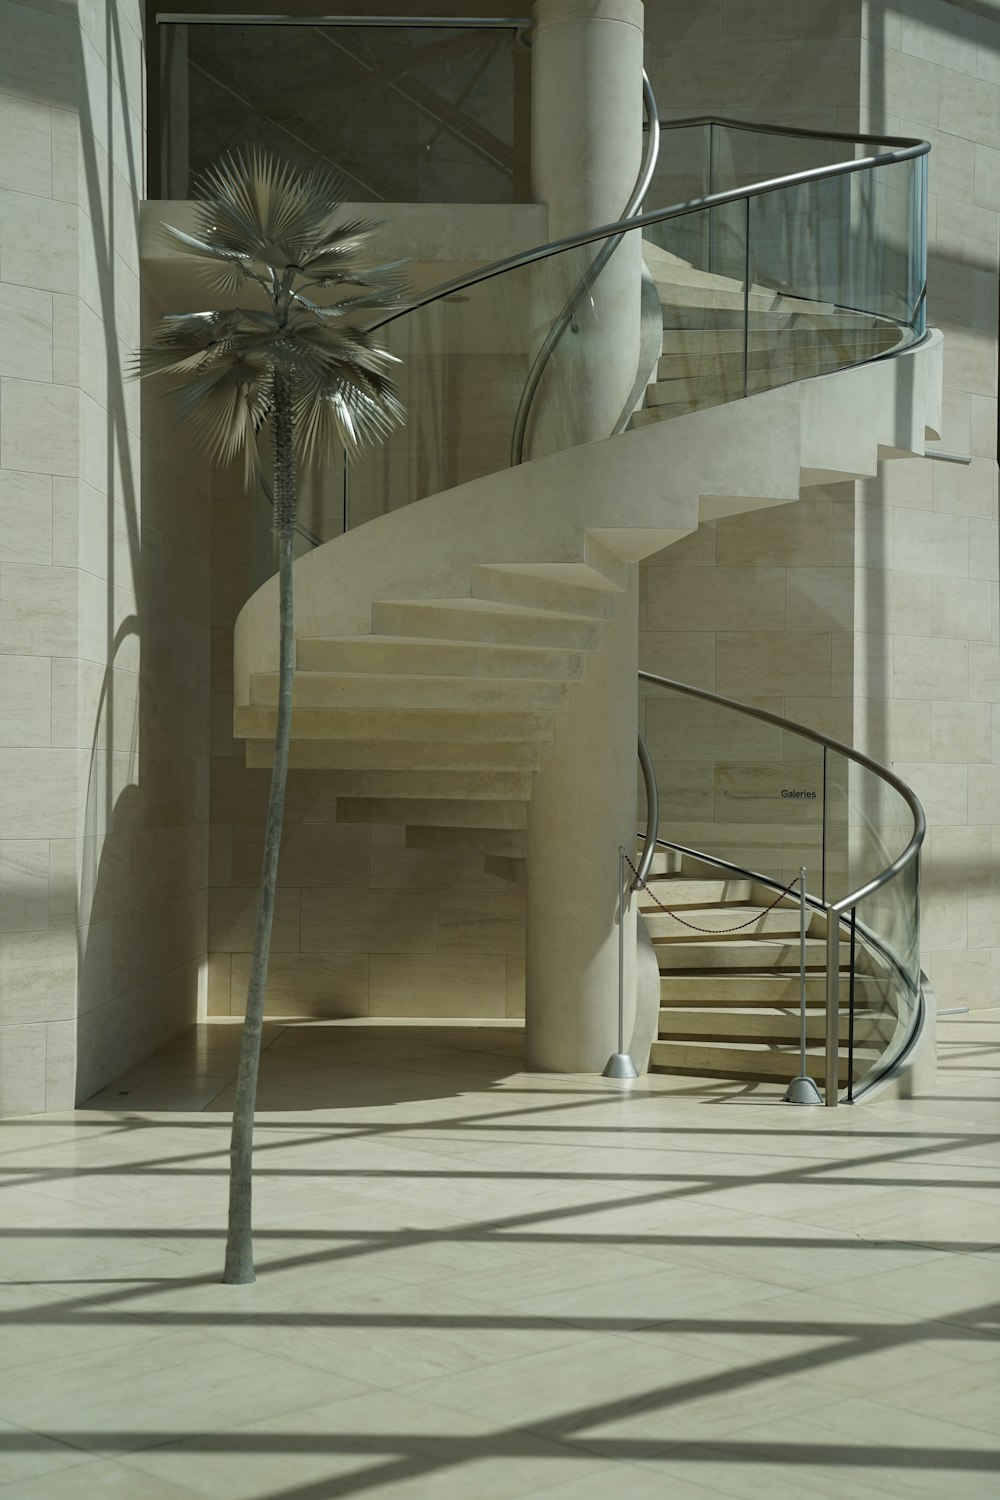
711 931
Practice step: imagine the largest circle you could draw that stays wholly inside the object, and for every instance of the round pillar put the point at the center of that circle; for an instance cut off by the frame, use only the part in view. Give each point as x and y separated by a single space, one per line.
583 807
586 152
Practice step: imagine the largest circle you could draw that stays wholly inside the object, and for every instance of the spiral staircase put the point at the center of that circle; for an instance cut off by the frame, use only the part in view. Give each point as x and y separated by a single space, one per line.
441 647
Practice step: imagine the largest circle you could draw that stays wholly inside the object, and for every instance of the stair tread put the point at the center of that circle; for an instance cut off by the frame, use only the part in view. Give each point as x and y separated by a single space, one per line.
417 643
476 605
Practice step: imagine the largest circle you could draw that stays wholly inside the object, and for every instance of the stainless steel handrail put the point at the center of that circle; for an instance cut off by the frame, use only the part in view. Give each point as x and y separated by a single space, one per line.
652 813
913 149
834 909
859 138
400 23
590 275
907 793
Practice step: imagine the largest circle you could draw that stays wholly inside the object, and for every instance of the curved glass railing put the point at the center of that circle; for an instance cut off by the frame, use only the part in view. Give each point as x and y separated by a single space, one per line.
750 791
797 255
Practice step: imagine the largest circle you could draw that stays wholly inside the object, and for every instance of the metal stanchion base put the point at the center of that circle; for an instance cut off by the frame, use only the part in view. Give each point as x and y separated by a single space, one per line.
620 1065
802 1091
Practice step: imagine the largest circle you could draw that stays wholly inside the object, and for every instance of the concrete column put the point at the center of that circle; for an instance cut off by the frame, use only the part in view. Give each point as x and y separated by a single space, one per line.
583 808
586 155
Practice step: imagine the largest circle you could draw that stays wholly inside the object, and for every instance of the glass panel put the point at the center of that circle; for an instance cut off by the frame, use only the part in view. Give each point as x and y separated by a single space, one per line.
405 114
869 825
887 976
703 312
735 787
834 273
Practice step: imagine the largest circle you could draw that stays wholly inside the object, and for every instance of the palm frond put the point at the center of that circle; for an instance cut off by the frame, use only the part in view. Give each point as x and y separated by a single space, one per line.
251 201
224 407
351 404
184 342
259 220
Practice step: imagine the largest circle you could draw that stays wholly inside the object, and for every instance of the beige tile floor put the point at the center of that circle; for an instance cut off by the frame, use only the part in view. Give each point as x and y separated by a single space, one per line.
477 1284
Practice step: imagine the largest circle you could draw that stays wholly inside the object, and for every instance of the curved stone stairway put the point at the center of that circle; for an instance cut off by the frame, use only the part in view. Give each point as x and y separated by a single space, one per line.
439 645
730 999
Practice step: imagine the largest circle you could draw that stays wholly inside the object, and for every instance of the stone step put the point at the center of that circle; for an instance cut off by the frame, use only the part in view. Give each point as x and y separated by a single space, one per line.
784 313
678 373
257 721
513 870
683 341
484 620
330 690
713 924
745 954
427 812
499 842
569 589
757 1064
646 415
396 655
477 786
763 987
870 1028
402 754
665 862
676 891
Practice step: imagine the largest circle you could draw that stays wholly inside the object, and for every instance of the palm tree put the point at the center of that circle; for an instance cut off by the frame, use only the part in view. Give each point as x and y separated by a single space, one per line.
296 361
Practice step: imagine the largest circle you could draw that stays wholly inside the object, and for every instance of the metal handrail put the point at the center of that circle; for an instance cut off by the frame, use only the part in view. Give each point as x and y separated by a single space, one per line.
400 23
690 122
834 909
652 813
587 280
909 796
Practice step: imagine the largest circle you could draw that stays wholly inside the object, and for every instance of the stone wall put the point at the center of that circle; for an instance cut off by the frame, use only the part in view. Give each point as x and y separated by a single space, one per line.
929 700
103 595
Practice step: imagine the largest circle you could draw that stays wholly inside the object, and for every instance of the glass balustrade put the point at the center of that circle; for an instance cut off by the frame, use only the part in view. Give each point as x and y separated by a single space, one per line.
766 797
519 361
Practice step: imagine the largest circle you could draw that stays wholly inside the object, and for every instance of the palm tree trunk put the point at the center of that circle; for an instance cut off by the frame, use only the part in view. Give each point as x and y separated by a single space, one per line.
239 1244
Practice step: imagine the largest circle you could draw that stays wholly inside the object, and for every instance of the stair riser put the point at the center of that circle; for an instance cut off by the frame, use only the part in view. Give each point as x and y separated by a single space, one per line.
534 592
681 893
258 723
406 755
778 315
477 786
563 632
777 923
732 1065
437 659
778 1030
451 694
512 870
793 364
505 844
723 989
737 954
681 341
427 813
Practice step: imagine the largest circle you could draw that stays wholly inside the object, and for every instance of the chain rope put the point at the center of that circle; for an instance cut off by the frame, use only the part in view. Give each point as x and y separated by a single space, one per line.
642 885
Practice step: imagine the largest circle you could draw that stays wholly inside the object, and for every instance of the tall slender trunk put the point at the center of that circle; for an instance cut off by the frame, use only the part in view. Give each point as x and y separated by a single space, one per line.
239 1243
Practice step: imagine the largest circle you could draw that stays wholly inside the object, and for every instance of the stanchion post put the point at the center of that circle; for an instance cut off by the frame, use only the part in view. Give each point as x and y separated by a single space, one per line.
619 1064
802 1089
